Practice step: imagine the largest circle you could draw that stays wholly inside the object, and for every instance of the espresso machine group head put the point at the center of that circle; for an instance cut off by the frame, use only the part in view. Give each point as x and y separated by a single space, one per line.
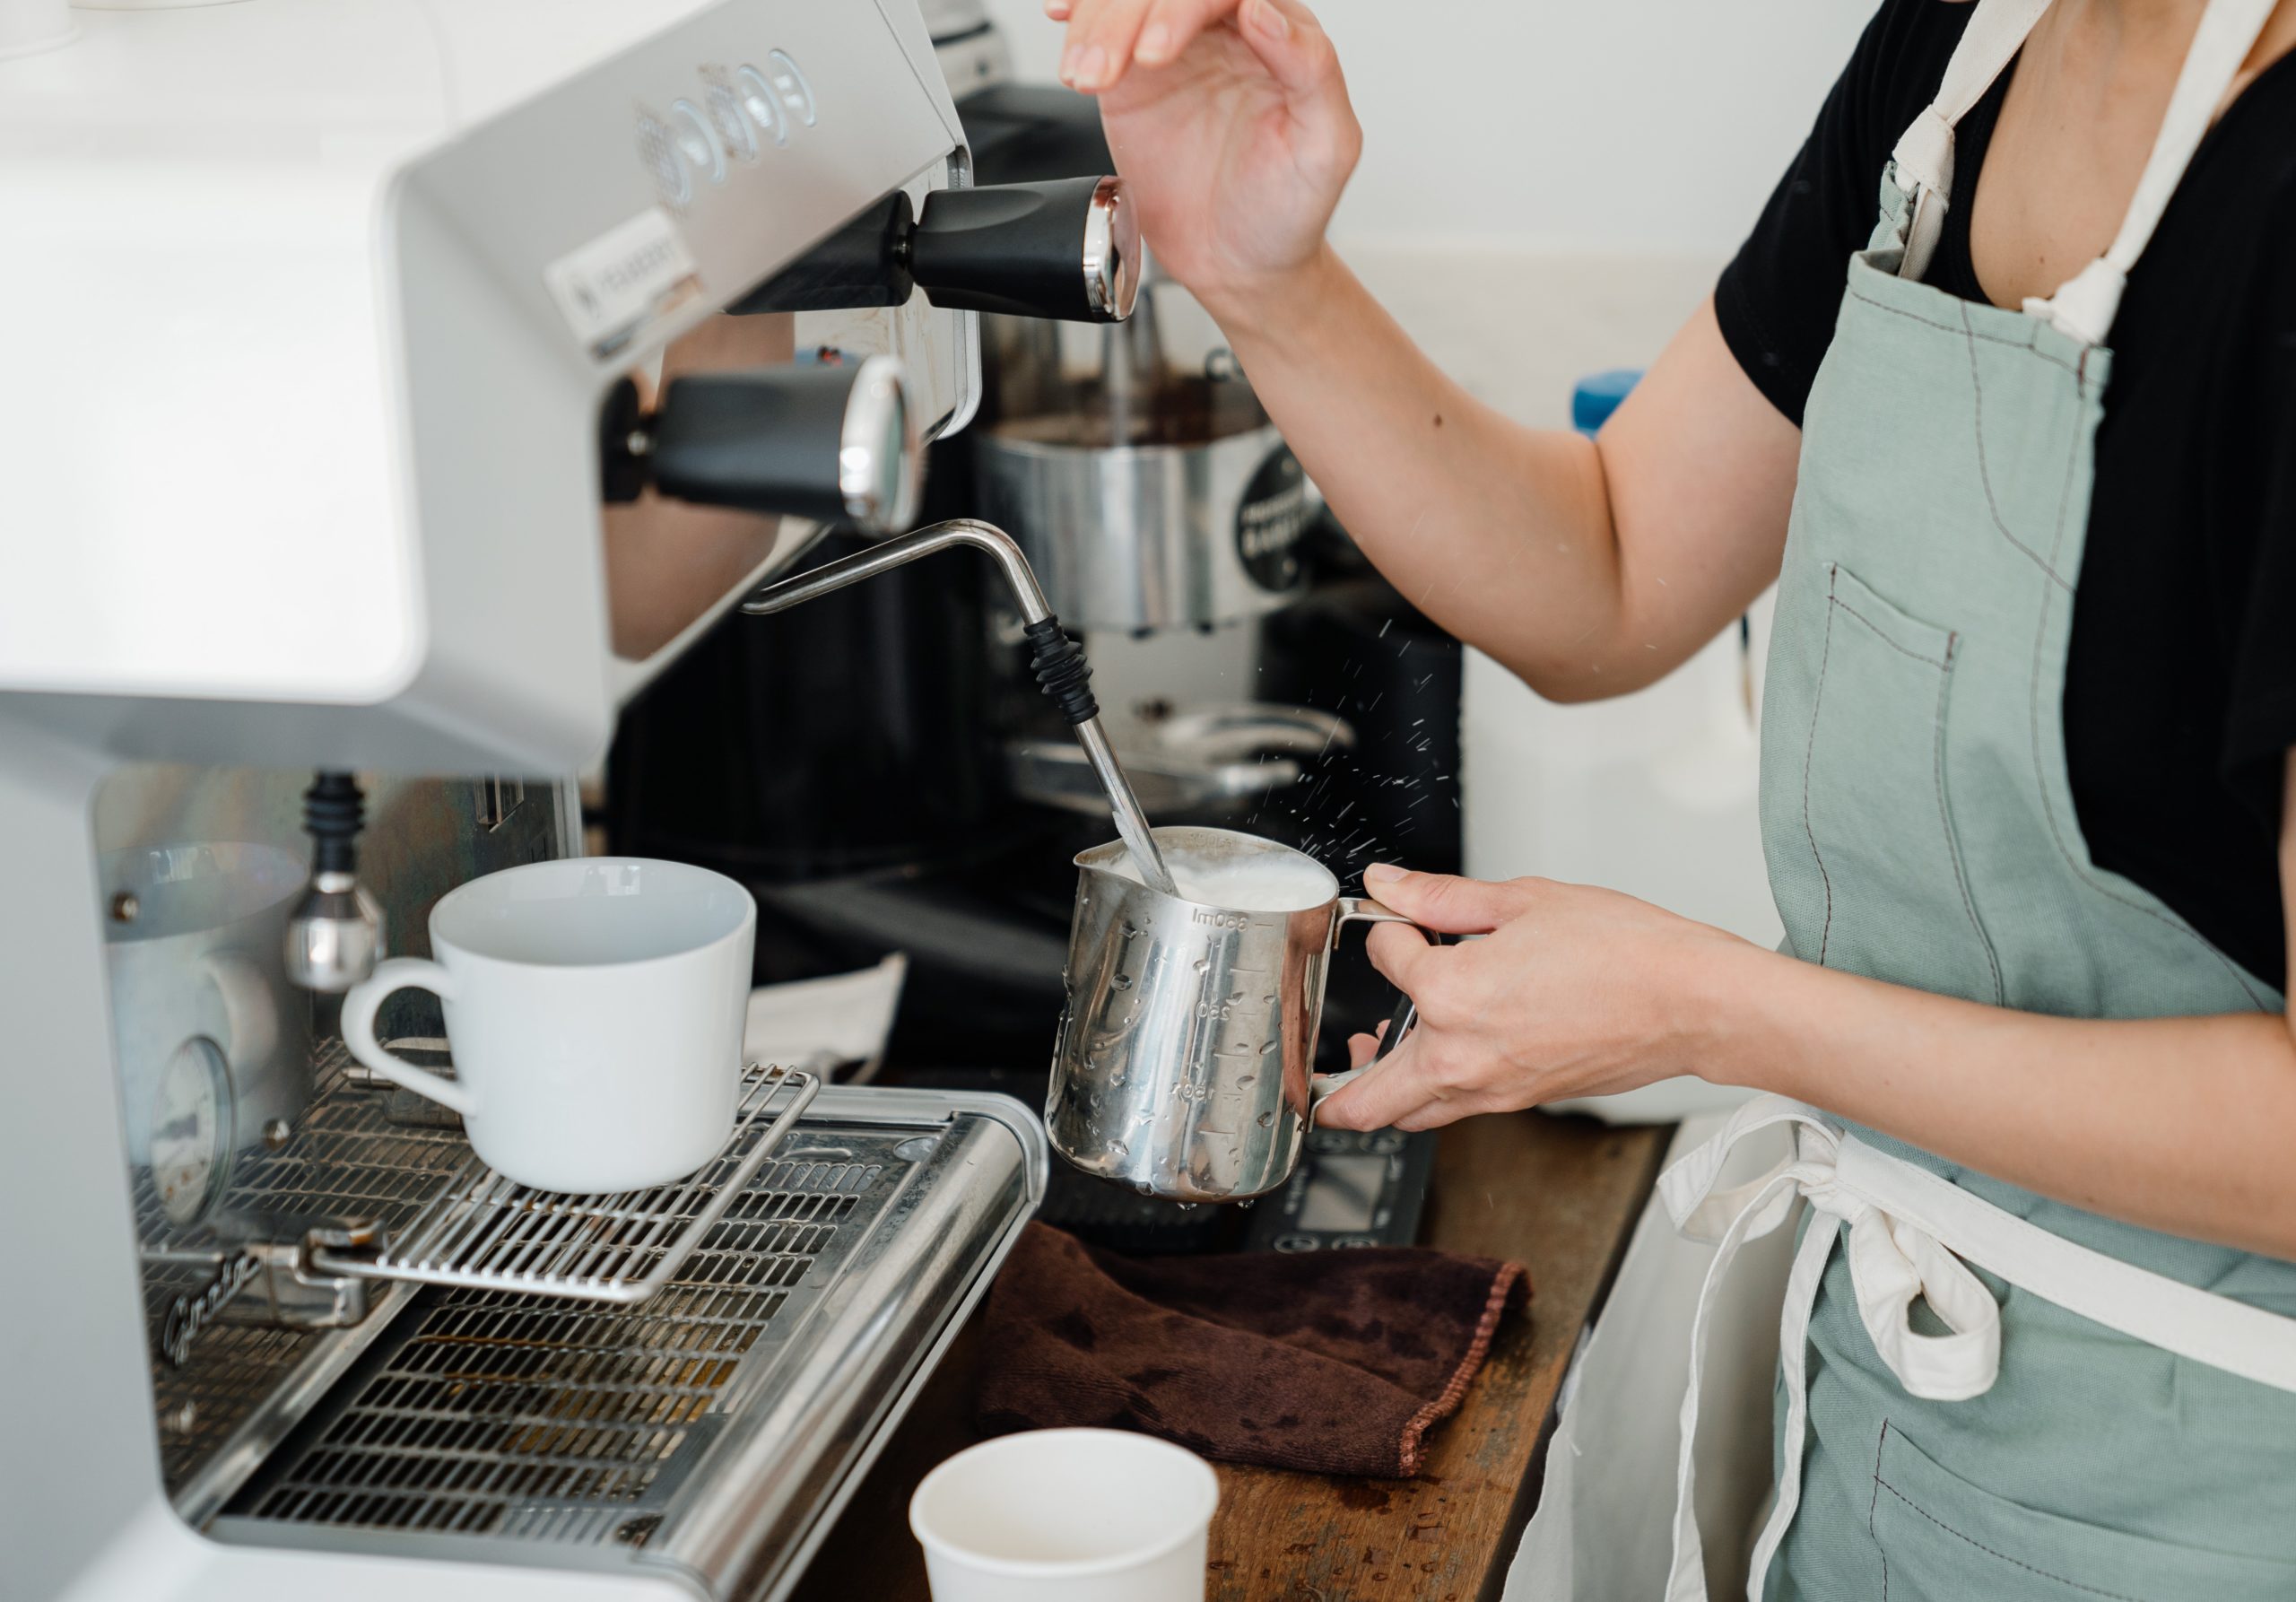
389 436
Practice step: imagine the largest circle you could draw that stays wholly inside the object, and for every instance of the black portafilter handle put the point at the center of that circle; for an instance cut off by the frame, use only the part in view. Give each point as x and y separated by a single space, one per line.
831 443
1065 248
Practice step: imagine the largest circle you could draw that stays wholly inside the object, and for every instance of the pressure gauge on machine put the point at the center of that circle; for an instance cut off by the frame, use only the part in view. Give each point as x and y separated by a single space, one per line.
192 1129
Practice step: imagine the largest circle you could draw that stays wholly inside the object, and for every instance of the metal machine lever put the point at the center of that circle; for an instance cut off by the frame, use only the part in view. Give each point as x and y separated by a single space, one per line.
1057 661
275 1282
831 443
1067 249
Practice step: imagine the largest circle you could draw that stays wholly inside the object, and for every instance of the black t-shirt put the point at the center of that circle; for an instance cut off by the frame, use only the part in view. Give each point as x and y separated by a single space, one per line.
2181 680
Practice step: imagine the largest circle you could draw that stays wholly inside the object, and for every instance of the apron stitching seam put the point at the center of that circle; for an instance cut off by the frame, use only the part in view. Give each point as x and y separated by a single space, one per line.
2004 1557
1871 1506
1952 846
2085 876
1809 757
2064 501
1880 1442
2014 344
1884 638
1945 816
1985 471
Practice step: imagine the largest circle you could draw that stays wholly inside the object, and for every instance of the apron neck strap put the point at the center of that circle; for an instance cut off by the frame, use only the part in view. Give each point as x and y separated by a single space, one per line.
2084 305
1923 161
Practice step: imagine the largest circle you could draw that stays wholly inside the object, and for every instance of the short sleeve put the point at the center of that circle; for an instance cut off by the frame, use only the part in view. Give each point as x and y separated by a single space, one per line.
1777 299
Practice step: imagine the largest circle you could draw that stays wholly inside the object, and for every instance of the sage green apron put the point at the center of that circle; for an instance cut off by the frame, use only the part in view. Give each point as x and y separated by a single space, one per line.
2118 1423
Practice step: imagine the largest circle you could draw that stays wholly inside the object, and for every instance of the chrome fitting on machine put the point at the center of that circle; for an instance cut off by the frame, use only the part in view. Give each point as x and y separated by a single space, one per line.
335 935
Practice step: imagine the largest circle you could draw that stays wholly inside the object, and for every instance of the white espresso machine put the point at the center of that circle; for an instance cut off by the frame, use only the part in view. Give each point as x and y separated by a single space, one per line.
372 428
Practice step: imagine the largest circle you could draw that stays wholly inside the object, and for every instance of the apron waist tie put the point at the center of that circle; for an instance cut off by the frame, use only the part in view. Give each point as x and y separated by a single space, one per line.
1908 1232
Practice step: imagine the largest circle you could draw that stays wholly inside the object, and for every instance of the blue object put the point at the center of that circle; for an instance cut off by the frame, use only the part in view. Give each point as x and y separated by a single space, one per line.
1598 394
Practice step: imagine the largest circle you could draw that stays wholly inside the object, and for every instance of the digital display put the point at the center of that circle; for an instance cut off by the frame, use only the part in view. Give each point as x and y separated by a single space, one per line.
1343 1196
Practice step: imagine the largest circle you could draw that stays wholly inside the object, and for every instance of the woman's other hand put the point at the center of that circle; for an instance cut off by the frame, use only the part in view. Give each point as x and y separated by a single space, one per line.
1572 991
1230 123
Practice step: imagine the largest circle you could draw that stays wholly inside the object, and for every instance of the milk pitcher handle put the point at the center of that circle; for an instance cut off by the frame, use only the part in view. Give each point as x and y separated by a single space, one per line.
1362 909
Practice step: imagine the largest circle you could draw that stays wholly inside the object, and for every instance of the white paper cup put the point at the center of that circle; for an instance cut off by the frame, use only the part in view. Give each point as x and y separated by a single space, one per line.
1076 1515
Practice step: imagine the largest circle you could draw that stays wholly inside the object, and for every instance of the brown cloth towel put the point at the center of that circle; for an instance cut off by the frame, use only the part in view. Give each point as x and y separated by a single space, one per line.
1331 1361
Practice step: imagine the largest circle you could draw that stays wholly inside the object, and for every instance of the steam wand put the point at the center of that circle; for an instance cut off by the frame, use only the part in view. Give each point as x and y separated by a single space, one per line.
1057 661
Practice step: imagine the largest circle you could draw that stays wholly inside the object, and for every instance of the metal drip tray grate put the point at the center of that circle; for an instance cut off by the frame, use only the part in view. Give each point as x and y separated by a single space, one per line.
484 1231
524 1418
709 1432
345 1159
447 1218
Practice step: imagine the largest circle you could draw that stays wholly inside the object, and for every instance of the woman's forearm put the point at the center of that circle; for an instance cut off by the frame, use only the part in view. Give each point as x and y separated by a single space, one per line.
1589 570
1501 534
2176 1124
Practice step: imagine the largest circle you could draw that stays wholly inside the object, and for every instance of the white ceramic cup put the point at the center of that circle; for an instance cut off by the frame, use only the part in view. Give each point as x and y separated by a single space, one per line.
594 1007
1067 1516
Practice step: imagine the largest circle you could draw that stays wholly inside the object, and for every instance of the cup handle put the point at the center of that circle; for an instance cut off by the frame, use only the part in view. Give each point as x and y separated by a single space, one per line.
1362 909
366 998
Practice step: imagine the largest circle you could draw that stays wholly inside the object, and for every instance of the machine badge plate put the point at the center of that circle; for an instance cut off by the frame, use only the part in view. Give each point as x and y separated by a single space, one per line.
630 276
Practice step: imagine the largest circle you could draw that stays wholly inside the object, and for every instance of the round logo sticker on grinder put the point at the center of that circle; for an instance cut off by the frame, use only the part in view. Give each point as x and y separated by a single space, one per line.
1273 514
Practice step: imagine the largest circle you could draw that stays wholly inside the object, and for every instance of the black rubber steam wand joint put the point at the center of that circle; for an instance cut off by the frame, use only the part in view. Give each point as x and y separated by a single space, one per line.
1058 660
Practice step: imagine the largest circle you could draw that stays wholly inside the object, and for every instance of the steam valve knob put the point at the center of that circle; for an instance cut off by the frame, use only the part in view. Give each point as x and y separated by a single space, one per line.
1069 250
828 443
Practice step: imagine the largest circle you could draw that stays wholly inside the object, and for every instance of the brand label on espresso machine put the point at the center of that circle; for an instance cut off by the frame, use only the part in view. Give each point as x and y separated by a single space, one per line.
636 272
1270 518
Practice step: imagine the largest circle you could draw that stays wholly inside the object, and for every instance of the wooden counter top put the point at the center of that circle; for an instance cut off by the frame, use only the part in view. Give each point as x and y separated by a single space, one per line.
1559 1194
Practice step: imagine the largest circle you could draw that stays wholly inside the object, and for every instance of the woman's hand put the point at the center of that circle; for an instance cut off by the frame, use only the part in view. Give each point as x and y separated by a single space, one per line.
1574 991
1230 122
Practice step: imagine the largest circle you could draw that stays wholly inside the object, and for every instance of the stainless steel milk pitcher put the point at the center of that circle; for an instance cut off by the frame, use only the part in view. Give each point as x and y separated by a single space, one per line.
1185 1063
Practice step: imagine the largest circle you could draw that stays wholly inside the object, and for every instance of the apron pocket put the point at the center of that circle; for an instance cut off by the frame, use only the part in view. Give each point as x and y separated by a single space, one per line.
1875 819
1945 1540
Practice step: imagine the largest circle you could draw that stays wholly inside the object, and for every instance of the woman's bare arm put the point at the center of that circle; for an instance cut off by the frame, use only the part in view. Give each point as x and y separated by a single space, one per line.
2176 1124
1589 568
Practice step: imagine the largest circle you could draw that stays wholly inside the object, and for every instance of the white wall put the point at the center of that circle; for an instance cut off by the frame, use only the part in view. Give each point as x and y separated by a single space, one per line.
1586 124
